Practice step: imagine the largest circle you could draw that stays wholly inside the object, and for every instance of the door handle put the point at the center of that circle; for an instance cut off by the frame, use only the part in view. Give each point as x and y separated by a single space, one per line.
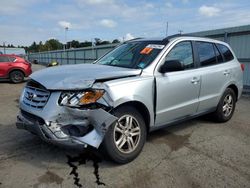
226 72
195 80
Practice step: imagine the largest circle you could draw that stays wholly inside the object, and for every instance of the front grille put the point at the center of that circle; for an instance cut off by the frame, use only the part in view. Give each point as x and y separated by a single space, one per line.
33 83
35 97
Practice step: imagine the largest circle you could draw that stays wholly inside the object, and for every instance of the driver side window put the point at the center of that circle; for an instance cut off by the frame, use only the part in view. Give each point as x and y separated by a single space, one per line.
183 53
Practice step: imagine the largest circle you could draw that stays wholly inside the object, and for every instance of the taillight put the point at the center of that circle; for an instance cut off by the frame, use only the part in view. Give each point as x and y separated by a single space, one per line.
242 66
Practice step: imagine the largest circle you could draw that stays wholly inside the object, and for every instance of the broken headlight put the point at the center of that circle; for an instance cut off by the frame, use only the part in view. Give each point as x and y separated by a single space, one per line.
79 98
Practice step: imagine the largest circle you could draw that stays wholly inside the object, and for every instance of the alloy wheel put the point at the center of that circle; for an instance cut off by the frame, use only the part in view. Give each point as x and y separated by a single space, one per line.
127 134
227 107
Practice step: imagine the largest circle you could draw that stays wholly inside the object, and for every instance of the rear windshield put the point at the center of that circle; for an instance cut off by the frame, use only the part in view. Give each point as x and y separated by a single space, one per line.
136 54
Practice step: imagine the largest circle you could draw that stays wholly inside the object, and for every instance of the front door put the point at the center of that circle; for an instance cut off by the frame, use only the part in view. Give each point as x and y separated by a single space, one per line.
177 93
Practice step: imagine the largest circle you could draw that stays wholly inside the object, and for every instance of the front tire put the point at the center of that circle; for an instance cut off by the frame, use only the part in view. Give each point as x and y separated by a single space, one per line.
16 76
125 139
226 106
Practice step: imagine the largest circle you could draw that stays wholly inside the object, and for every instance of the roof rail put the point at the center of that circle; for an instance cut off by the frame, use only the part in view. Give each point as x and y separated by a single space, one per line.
177 35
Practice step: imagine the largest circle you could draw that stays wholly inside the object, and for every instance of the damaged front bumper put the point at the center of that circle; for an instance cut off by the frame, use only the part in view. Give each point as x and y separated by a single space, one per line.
64 125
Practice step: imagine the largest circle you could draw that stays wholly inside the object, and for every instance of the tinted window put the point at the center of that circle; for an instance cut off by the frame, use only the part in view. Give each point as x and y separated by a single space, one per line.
3 59
218 55
206 53
12 59
226 52
182 52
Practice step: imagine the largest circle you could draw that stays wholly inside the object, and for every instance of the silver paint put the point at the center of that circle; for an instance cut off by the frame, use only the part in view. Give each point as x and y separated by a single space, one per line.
177 94
75 77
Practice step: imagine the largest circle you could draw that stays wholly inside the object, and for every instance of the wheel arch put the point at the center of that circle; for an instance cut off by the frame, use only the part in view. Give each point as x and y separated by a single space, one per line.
15 69
141 108
235 89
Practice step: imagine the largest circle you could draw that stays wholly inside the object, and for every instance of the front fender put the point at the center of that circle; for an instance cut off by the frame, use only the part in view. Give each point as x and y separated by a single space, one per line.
137 89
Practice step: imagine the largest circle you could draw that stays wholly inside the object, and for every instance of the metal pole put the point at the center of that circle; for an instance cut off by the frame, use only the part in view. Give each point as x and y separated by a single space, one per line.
4 52
92 41
67 57
66 30
75 56
226 37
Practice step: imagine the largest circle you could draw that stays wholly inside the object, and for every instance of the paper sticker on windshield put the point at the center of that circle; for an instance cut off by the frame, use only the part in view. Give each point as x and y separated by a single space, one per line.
146 50
155 46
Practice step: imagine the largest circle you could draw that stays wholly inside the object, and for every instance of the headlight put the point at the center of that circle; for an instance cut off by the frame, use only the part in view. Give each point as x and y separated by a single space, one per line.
80 98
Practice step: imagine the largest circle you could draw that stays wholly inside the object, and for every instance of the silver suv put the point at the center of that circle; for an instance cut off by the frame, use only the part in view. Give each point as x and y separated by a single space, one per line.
140 86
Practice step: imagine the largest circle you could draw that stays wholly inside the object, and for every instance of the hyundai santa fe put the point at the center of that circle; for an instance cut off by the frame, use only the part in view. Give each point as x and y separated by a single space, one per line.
140 86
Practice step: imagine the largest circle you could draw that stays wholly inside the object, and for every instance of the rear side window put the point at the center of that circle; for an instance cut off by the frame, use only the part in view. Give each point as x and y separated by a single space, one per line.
226 52
206 53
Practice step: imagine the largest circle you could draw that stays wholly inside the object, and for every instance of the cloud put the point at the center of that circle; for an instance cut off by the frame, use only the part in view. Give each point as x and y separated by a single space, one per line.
108 23
149 6
209 11
185 1
65 24
96 2
169 5
12 7
86 17
128 36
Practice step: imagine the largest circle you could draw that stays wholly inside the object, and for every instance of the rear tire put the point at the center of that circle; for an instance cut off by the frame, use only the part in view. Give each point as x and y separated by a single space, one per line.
16 76
125 138
226 106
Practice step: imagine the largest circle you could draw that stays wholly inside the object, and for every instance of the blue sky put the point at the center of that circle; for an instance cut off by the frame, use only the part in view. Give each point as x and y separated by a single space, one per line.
23 22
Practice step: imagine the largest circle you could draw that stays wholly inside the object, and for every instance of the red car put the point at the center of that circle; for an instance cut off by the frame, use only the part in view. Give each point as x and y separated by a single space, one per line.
14 68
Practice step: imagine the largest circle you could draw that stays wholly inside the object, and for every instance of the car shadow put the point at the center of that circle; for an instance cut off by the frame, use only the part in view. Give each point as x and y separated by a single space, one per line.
7 81
173 135
24 142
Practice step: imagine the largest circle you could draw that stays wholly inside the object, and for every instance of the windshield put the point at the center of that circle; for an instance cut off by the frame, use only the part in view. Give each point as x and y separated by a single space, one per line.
136 54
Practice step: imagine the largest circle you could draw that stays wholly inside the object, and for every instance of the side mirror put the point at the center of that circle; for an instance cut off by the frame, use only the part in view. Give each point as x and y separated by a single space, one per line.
170 66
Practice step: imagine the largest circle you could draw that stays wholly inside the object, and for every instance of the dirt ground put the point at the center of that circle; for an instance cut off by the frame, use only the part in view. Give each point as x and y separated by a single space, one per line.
197 153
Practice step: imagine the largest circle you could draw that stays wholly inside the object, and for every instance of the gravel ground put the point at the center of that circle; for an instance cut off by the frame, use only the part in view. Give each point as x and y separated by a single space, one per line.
197 153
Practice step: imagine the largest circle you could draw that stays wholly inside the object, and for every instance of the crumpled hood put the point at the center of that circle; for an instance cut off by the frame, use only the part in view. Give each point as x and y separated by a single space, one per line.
81 76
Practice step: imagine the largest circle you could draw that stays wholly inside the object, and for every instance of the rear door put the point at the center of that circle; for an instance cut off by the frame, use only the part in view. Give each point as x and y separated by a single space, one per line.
5 65
177 92
216 74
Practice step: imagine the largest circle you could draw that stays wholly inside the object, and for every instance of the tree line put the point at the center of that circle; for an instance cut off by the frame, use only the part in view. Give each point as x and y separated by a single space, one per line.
54 44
